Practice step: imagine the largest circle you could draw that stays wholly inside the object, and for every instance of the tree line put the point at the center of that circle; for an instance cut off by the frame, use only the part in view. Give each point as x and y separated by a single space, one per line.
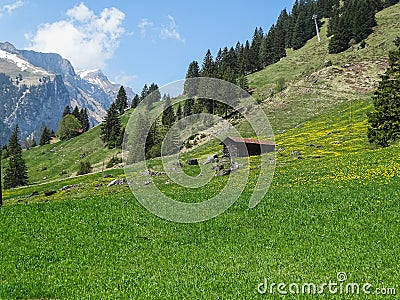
352 21
291 30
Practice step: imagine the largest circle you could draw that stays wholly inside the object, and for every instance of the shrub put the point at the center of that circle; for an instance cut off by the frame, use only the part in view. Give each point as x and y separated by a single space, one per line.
113 161
84 168
154 151
280 85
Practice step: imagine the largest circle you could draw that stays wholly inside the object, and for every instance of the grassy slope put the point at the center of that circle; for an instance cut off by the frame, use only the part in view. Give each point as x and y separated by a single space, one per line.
50 160
317 219
337 213
312 88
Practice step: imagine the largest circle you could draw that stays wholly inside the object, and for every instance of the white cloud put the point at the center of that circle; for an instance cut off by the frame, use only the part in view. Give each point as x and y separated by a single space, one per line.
143 24
9 8
80 13
86 39
171 31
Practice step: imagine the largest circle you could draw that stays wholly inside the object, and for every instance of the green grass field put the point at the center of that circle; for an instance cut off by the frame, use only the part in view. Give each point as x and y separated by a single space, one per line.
340 215
334 210
318 219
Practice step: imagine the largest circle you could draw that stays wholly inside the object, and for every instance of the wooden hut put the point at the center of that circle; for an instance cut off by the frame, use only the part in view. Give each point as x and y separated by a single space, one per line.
241 147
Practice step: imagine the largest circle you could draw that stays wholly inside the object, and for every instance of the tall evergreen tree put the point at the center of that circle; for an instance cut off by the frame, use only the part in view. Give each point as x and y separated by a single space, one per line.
84 119
135 101
168 116
16 173
188 107
75 113
153 95
255 49
122 100
179 112
208 66
111 128
385 119
245 59
364 19
190 87
67 111
137 139
304 27
153 142
45 136
243 83
144 93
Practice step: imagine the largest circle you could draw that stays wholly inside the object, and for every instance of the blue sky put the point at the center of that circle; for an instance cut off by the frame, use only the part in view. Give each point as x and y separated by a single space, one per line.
134 42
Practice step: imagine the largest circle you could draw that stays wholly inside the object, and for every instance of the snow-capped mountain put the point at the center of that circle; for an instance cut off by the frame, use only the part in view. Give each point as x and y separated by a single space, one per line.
35 88
97 77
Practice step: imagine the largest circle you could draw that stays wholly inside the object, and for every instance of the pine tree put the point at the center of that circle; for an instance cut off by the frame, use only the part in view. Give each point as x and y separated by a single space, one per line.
153 143
190 87
245 61
385 120
255 49
153 96
16 173
135 101
67 111
45 136
84 119
208 66
168 116
75 113
340 40
365 20
179 113
122 100
111 128
144 93
137 139
243 83
188 107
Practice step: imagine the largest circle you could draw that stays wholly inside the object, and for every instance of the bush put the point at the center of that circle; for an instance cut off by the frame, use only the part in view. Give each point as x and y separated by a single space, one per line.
84 168
280 85
68 127
154 151
113 161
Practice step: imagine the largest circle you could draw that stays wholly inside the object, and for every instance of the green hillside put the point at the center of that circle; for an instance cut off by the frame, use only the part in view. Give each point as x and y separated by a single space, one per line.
61 159
332 205
312 86
310 89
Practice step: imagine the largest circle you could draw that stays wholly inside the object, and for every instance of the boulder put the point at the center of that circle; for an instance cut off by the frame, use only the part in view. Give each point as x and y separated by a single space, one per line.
34 193
296 153
49 193
211 159
224 173
192 162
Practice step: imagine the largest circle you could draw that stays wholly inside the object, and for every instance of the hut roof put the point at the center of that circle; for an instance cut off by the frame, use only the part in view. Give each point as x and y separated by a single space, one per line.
251 141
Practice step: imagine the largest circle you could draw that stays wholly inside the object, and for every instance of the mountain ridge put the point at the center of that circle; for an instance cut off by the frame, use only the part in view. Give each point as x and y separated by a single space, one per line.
30 78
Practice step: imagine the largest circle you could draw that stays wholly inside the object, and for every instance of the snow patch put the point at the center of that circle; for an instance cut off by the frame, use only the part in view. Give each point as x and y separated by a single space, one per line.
23 65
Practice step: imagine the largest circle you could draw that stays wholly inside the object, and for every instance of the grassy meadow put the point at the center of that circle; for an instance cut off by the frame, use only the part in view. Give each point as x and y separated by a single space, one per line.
332 206
337 213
